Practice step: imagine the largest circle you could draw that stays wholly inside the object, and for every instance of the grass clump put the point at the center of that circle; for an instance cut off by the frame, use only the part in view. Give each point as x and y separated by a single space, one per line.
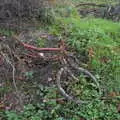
6 32
41 42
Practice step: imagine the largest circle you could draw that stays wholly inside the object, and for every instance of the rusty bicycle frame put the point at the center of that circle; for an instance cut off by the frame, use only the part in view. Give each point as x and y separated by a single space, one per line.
66 64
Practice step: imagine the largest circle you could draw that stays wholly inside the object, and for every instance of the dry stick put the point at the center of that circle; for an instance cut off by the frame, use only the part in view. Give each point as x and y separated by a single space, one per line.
13 76
91 4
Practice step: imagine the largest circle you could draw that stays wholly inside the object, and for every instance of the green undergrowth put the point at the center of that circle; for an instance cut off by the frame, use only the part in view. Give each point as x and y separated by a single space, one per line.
41 42
49 109
6 32
100 40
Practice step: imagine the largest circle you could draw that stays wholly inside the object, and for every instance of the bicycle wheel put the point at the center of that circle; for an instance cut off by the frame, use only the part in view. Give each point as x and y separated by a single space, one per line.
78 85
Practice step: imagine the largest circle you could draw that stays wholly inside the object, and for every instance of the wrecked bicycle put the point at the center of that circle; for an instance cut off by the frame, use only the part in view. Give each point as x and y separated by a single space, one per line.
75 83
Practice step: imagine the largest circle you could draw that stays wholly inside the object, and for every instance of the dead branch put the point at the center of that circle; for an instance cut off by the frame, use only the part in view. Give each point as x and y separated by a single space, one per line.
91 4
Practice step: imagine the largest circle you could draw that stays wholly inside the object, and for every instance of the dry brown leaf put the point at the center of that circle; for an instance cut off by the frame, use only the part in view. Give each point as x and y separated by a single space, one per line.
91 52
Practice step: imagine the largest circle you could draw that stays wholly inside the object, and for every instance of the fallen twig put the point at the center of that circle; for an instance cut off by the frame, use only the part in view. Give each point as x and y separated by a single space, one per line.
91 4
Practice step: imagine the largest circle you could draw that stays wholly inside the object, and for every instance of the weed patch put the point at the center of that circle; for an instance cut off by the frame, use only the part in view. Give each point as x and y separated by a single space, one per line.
99 39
